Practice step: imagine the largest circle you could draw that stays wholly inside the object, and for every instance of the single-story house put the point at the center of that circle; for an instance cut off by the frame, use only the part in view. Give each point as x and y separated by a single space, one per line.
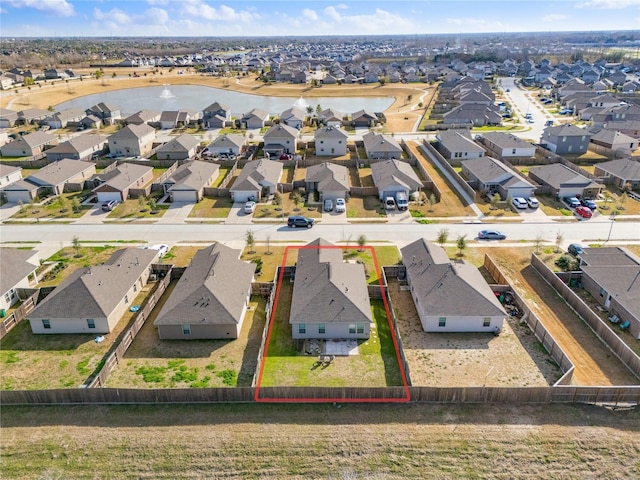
611 275
55 176
82 147
180 148
143 116
134 140
255 118
614 142
226 144
623 171
330 118
32 115
211 298
566 139
63 118
257 179
564 182
489 174
93 299
188 182
330 297
30 144
18 271
293 117
362 118
8 118
506 145
9 174
378 145
331 141
457 145
21 191
393 176
329 180
474 114
116 183
280 139
437 286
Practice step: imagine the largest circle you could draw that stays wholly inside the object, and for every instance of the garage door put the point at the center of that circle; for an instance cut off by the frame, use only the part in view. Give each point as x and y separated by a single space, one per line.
16 196
243 196
106 196
183 196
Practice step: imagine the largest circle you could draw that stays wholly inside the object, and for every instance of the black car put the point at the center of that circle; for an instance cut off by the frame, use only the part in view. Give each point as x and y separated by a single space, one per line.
300 221
491 235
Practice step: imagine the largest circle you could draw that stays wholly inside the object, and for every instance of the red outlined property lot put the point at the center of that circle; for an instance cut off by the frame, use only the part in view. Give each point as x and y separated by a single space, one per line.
259 398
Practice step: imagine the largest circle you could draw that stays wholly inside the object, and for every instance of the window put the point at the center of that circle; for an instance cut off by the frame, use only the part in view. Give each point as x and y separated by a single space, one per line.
513 151
339 142
352 328
321 329
603 292
321 141
126 299
186 329
570 148
442 322
564 139
46 323
302 328
360 328
486 322
135 287
91 323
8 295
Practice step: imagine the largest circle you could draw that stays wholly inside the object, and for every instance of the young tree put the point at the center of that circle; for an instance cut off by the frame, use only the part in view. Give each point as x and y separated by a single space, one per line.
362 241
559 240
75 243
537 242
432 202
142 203
152 205
607 199
622 200
75 205
250 241
461 243
443 236
495 198
64 203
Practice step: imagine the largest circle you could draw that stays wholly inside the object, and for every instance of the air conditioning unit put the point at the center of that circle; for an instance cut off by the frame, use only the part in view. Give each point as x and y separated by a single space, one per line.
153 277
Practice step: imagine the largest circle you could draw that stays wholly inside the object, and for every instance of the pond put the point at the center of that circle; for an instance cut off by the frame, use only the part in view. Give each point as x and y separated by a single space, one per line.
198 97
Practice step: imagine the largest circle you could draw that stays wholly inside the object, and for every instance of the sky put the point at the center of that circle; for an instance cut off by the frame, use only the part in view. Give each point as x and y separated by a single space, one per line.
251 18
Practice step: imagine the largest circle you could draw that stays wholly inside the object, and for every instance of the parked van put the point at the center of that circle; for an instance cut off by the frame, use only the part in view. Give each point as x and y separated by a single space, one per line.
402 201
389 203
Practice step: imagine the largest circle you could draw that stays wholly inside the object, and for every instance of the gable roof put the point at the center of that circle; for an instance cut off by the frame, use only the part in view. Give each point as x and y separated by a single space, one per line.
565 130
212 290
15 265
123 176
60 171
133 131
143 116
487 169
506 140
441 284
328 176
394 172
182 143
257 113
97 290
625 168
192 175
330 132
557 175
280 131
374 142
328 290
79 144
256 173
32 140
458 141
228 140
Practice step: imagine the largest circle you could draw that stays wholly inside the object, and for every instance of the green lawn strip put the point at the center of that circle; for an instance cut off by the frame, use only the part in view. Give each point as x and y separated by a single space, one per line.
218 207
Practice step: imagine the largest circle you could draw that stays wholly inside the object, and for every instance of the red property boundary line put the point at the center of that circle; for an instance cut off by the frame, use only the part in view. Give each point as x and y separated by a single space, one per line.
403 375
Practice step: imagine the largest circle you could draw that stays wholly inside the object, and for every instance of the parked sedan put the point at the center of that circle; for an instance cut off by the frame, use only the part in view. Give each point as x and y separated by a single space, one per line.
341 206
491 235
575 249
590 204
573 202
249 207
584 212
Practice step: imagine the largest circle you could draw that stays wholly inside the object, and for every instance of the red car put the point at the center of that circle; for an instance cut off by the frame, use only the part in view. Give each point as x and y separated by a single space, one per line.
584 212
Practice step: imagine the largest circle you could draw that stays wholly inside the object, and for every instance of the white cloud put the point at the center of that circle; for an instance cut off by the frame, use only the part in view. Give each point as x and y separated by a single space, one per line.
554 17
59 7
156 16
610 4
310 14
332 13
114 17
203 10
158 2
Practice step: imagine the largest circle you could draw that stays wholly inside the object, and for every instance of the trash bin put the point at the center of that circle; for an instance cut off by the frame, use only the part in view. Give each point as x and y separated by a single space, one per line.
3 313
572 282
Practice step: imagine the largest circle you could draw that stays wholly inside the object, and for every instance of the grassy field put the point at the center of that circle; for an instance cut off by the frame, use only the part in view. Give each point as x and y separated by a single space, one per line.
249 441
218 207
365 207
55 207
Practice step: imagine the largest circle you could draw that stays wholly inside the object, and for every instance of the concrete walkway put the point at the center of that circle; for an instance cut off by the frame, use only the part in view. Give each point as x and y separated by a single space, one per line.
177 212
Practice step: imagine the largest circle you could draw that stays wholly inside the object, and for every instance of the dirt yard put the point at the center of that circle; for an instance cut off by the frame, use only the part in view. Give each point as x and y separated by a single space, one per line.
513 359
331 442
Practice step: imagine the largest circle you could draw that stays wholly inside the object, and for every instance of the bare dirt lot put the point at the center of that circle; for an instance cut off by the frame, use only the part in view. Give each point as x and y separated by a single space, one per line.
513 359
320 442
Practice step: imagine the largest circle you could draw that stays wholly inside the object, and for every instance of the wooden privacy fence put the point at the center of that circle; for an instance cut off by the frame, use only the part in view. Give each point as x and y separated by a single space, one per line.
127 337
15 317
440 162
597 324
627 395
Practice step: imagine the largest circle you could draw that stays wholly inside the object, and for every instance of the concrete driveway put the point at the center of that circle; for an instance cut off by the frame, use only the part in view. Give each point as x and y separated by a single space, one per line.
237 215
334 217
95 215
533 215
399 216
8 210
177 213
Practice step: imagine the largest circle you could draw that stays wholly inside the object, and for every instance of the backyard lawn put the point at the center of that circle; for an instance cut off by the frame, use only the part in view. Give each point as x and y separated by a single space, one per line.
375 365
66 205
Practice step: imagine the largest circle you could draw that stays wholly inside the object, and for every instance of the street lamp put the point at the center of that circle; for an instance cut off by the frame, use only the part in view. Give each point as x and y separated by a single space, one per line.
613 219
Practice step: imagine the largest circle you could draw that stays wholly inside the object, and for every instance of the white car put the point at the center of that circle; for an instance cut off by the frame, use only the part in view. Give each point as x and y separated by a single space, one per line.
519 202
249 207
161 248
533 202
341 205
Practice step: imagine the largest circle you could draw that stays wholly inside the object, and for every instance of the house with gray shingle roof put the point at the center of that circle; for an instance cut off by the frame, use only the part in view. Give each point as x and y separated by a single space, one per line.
255 118
229 144
143 116
108 114
612 142
362 118
21 191
211 298
331 117
132 140
490 175
180 148
437 286
393 176
456 145
378 145
294 117
82 147
330 297
57 175
280 139
566 139
92 300
331 141
216 115
330 180
18 269
564 182
188 182
506 145
8 118
116 183
257 179
63 118
32 115
30 144
623 171
9 174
